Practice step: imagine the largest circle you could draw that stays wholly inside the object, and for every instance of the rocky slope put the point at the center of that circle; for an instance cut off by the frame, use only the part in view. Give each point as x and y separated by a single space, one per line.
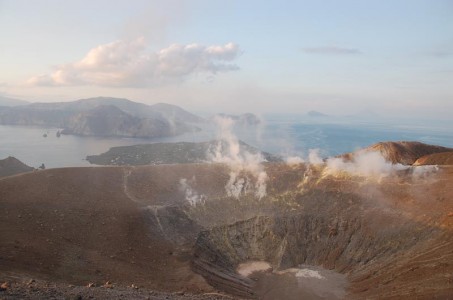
442 158
403 152
391 238
168 153
11 166
108 120
104 117
175 113
159 110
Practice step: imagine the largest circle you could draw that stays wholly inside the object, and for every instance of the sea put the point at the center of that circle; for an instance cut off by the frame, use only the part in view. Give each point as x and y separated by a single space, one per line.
286 136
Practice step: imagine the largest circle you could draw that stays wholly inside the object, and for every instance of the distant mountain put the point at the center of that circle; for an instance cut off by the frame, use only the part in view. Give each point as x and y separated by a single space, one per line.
104 116
11 166
26 115
6 101
403 152
166 153
109 120
90 103
160 110
176 113
247 119
316 114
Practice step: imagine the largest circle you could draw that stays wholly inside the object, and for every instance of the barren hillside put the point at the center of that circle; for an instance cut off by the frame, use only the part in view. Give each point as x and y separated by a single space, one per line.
136 226
442 158
403 152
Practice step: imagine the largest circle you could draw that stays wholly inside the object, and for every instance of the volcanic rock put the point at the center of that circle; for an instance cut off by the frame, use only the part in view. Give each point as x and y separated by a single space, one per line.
403 152
11 166
388 239
442 158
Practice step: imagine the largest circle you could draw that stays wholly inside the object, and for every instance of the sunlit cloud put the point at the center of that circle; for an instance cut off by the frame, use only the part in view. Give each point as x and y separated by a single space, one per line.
130 64
331 50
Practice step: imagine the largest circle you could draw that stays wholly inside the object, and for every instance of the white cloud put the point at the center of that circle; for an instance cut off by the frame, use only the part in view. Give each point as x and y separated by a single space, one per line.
129 64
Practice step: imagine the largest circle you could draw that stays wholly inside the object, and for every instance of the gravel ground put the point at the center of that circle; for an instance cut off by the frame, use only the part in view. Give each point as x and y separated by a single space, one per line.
37 289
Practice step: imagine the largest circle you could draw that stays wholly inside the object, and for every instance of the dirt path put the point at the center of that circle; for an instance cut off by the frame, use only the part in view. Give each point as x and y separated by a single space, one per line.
154 208
126 173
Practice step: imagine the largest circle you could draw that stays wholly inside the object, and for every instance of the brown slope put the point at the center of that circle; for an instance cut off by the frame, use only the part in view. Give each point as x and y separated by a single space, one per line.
403 152
11 166
78 225
443 158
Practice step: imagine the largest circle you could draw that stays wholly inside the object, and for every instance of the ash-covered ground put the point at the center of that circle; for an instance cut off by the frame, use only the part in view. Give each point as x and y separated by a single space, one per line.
183 231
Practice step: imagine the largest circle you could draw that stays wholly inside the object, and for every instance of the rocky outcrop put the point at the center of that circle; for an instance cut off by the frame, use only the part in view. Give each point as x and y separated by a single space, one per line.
403 152
340 238
109 121
11 166
442 158
159 110
104 116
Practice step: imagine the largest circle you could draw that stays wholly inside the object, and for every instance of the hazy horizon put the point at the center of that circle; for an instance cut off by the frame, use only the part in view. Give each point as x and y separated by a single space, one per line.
300 149
392 58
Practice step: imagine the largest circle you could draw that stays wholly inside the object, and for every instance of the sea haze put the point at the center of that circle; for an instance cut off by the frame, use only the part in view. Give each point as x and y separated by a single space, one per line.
279 136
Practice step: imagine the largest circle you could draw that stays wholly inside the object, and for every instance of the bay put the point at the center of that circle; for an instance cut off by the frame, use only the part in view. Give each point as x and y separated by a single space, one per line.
278 136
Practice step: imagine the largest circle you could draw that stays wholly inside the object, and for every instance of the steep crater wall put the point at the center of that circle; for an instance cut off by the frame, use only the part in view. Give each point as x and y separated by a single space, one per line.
340 233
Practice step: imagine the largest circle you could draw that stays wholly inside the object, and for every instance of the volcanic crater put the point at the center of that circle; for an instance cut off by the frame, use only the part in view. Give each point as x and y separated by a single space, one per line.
318 234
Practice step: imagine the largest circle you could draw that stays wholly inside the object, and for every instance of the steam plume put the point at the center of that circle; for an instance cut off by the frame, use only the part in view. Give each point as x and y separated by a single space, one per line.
190 194
294 160
373 164
246 170
314 158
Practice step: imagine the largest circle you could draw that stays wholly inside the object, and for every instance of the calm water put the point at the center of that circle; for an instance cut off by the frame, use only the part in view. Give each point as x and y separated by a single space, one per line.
28 145
276 136
335 138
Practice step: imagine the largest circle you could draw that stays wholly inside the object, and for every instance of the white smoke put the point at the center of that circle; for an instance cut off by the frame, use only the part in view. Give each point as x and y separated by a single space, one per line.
373 164
294 160
367 164
190 194
307 273
236 185
246 170
314 158
420 172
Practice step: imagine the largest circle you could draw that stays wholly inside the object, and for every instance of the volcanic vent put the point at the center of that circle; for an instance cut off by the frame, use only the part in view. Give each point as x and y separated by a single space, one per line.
382 234
181 228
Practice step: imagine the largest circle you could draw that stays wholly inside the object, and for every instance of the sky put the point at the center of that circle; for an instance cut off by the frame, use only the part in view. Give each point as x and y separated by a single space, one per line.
339 57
